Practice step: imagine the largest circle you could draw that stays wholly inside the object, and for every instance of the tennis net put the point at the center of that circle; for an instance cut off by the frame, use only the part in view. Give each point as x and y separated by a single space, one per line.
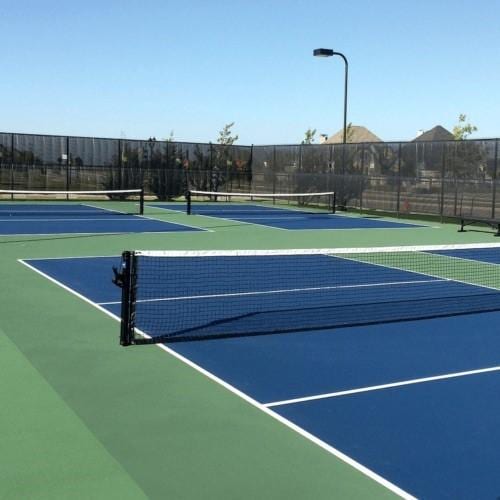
206 202
192 295
47 203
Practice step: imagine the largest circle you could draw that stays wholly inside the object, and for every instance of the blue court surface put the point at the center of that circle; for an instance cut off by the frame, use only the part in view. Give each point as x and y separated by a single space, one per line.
284 218
415 402
60 218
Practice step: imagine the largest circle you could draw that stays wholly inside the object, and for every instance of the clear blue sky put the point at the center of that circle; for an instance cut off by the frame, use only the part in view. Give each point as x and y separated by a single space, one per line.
143 68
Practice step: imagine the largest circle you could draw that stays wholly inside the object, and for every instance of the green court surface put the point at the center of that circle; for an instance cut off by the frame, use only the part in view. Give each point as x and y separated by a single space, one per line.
83 417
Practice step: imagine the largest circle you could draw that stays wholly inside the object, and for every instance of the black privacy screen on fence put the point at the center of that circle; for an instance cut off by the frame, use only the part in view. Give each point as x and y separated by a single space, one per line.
444 178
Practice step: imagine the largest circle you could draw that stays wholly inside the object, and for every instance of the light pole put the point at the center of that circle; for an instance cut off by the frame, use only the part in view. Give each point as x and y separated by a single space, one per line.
329 53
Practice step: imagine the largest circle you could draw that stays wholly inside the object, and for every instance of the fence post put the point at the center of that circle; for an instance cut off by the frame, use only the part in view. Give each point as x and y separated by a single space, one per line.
443 164
361 180
120 165
274 172
249 170
210 168
398 195
12 164
494 195
331 181
68 179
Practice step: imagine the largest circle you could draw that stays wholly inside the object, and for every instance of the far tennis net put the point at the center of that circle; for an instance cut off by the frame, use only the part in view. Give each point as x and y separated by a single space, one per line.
191 295
54 203
208 202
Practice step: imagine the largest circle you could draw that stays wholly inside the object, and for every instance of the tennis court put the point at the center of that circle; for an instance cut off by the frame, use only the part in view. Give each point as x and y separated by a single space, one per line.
283 217
400 398
74 216
364 366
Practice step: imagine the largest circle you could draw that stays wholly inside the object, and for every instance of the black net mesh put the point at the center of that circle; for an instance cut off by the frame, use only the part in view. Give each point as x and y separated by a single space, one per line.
171 296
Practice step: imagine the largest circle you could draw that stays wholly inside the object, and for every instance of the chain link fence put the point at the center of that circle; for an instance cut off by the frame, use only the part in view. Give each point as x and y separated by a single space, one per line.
445 178
165 169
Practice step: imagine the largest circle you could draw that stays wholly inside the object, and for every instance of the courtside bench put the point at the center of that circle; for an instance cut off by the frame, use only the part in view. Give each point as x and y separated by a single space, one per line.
466 221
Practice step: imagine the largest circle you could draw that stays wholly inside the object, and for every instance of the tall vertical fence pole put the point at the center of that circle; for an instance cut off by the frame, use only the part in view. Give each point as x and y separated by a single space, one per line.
441 201
120 165
494 178
398 194
274 171
68 178
11 164
361 180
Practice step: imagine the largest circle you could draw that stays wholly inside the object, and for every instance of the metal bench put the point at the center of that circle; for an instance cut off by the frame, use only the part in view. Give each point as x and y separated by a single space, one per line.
466 221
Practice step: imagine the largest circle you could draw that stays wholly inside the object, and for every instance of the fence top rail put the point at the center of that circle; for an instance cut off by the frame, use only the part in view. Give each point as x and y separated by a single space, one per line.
215 144
381 143
122 139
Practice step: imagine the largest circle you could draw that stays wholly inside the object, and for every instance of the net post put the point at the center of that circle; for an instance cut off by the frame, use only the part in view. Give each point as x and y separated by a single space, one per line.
188 200
334 201
128 285
141 202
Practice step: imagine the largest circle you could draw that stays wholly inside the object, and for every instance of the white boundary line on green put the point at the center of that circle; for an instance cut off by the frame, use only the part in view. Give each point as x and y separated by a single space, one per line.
337 453
52 219
236 221
56 235
268 226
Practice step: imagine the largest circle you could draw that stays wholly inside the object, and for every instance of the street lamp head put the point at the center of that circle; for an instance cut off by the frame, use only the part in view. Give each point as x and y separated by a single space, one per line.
323 52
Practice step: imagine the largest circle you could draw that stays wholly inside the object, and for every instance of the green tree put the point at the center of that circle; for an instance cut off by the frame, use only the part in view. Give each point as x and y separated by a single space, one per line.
466 164
222 166
225 135
309 136
462 129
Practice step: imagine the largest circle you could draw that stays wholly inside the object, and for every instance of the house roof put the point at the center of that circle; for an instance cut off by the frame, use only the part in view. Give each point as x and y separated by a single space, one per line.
356 134
438 133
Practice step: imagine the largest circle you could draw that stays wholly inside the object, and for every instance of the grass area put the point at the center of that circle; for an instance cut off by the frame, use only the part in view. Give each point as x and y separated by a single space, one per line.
87 418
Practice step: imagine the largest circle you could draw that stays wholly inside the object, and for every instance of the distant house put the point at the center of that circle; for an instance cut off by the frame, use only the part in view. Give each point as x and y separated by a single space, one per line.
362 160
355 134
428 160
438 133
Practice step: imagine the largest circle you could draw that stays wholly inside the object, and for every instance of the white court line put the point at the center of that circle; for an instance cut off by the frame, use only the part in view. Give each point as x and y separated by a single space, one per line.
299 430
176 223
67 288
72 257
346 215
104 209
268 226
133 218
428 252
101 233
127 217
273 209
444 254
381 386
243 222
280 291
228 219
271 218
142 216
51 219
56 235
